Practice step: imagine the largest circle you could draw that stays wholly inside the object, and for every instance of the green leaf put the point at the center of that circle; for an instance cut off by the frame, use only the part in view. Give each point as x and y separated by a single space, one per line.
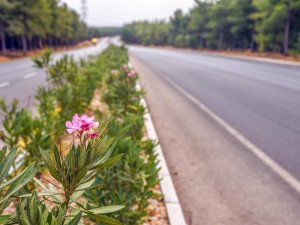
50 164
80 190
44 217
104 158
2 153
41 184
106 209
7 163
75 220
105 219
90 187
21 181
4 218
80 175
85 185
40 194
100 218
111 161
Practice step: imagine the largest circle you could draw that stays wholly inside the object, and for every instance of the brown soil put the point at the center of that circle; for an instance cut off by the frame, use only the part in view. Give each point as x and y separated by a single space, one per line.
157 210
13 55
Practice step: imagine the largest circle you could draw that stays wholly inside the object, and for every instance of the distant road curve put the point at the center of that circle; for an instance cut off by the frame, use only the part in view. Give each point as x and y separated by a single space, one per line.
19 79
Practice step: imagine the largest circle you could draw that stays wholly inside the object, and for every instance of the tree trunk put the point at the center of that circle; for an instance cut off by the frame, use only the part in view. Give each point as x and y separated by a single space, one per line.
24 43
13 43
287 29
220 43
3 39
40 42
50 41
252 42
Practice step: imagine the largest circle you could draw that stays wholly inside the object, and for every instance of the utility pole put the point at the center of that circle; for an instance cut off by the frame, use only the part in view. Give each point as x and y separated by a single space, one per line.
84 10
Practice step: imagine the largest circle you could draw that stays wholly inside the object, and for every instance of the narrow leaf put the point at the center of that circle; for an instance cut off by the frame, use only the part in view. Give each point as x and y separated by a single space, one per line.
7 163
106 209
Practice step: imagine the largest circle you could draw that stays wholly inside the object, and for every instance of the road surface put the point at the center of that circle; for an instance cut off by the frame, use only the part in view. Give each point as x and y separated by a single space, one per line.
218 179
19 79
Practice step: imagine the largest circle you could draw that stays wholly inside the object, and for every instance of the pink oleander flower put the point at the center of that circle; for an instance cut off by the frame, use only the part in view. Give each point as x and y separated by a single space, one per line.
126 68
81 124
114 72
131 74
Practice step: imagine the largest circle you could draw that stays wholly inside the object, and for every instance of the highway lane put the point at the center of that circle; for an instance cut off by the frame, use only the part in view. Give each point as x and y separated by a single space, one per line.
260 100
19 79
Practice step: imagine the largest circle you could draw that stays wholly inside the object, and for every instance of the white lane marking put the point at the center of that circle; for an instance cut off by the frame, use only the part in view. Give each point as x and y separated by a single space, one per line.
30 75
4 84
279 170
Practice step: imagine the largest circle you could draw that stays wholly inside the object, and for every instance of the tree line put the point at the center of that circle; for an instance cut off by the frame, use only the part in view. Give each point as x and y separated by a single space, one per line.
103 31
31 24
256 25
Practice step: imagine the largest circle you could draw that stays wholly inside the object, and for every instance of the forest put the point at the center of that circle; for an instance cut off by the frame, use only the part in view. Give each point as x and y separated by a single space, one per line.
103 31
252 25
32 24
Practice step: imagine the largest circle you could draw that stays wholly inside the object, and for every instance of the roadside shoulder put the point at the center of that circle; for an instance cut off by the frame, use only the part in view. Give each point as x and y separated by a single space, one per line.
174 209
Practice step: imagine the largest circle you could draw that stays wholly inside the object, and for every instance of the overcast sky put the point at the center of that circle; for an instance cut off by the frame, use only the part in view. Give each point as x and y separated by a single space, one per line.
118 12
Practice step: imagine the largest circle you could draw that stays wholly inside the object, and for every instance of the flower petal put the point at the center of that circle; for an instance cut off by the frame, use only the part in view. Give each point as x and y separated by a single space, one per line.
90 119
70 131
84 117
75 119
69 124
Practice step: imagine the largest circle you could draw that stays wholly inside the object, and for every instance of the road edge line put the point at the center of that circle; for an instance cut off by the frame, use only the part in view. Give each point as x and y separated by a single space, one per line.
173 206
268 161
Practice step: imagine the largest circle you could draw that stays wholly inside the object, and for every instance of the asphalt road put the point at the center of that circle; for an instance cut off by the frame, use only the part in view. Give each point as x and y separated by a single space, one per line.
219 181
19 79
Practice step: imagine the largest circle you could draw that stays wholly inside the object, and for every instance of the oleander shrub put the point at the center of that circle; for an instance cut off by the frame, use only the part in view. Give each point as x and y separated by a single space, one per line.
73 169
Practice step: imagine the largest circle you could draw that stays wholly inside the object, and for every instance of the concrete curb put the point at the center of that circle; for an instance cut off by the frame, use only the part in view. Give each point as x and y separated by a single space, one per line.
174 210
